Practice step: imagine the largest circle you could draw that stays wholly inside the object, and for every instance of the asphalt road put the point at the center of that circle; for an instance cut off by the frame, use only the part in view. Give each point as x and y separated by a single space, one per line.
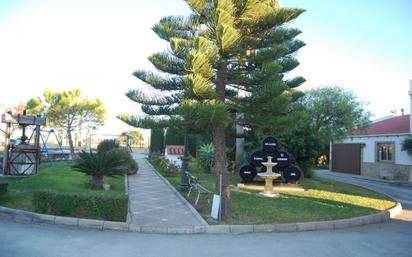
402 193
392 238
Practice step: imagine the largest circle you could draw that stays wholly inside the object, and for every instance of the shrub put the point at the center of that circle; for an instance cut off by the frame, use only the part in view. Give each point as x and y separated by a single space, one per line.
79 205
205 157
156 156
3 188
407 145
307 168
110 145
130 165
157 140
162 165
107 145
133 167
101 164
172 167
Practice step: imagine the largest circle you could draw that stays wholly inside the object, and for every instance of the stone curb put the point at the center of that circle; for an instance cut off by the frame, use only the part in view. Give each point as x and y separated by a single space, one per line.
21 216
192 209
36 218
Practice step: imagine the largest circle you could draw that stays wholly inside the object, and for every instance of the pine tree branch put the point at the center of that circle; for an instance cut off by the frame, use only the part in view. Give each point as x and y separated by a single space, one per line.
140 97
159 82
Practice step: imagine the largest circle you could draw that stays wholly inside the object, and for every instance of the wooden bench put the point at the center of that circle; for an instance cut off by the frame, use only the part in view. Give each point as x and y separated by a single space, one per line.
193 183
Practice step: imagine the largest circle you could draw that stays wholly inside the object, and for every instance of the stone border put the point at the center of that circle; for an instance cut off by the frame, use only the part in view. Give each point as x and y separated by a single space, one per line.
30 217
306 226
21 216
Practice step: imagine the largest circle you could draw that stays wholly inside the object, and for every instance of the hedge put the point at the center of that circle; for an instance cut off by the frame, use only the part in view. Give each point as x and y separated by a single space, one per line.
174 137
3 187
157 140
99 206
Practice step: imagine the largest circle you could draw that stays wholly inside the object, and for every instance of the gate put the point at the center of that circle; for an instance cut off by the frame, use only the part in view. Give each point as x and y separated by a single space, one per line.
347 158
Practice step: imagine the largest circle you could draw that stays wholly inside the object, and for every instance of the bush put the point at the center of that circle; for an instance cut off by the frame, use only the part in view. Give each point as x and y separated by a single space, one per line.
130 165
107 145
205 157
157 140
133 167
308 169
3 188
112 146
407 145
103 207
164 166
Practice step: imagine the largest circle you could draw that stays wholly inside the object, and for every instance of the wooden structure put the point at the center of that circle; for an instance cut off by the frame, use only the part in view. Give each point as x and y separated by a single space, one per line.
21 158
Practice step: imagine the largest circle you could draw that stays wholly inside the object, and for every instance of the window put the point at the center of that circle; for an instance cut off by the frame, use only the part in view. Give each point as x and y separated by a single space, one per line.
386 152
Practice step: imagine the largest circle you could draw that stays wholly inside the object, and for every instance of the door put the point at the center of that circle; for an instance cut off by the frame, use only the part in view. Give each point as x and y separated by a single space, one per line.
346 158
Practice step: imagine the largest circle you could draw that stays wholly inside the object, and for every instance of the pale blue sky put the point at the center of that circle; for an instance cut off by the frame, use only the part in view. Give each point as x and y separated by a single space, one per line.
96 45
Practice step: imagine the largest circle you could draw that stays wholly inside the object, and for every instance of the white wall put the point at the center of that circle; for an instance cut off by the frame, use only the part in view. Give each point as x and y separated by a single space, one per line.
369 150
176 159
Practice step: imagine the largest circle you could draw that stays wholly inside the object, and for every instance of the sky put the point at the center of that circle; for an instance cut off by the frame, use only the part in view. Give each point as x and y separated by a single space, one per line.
365 46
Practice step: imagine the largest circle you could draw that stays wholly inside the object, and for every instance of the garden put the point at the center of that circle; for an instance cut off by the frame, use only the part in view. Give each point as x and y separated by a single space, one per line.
92 186
322 199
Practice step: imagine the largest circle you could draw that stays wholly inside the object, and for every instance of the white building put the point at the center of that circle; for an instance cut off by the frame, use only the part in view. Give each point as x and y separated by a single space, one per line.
377 150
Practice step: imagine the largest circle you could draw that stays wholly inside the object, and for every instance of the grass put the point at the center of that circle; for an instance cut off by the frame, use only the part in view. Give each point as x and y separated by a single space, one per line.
322 200
61 178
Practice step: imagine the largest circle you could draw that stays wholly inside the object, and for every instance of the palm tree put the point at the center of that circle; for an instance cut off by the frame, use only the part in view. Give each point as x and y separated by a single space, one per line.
101 164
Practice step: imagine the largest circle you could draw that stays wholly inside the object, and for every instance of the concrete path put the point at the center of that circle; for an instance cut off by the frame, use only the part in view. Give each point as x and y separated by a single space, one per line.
153 203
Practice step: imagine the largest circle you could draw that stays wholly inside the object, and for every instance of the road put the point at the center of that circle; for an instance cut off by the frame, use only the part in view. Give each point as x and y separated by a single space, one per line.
392 238
401 193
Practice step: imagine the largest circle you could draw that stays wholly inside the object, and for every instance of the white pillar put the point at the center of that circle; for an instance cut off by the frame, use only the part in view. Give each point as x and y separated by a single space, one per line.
239 141
330 155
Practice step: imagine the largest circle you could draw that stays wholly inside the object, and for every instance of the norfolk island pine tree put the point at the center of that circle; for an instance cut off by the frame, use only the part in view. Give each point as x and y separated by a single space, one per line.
215 52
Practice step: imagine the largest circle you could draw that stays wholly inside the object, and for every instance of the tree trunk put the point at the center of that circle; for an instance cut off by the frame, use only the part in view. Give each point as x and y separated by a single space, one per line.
219 142
97 182
220 169
69 135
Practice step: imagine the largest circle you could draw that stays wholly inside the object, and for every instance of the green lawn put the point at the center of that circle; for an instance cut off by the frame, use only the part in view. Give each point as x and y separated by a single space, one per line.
60 179
322 200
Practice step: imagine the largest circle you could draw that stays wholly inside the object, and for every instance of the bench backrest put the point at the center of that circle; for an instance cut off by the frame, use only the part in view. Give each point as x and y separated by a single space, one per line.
191 179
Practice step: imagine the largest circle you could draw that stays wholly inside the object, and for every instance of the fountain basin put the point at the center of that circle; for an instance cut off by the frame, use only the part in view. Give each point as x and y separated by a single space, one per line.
269 177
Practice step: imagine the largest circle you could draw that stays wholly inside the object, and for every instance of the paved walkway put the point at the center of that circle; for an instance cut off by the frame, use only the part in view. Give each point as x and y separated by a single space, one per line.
153 203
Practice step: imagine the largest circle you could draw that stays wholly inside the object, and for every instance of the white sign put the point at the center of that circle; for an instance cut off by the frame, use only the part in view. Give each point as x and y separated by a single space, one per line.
215 207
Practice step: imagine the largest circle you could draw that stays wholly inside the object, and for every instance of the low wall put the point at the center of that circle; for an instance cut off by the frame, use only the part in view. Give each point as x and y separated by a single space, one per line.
389 171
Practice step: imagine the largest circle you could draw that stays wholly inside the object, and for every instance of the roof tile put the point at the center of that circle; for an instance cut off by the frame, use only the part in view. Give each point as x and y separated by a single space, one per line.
394 125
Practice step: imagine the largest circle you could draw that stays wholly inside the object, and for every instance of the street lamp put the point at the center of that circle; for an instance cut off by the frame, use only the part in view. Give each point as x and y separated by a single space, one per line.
184 181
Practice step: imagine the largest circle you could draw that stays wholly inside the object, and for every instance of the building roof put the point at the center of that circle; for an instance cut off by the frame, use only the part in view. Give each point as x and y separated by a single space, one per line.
393 125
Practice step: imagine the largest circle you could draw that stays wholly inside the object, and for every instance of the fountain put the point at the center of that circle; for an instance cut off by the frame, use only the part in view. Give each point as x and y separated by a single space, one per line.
290 174
269 176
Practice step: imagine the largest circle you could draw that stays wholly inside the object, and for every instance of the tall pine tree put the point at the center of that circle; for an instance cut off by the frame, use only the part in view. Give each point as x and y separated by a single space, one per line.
224 46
